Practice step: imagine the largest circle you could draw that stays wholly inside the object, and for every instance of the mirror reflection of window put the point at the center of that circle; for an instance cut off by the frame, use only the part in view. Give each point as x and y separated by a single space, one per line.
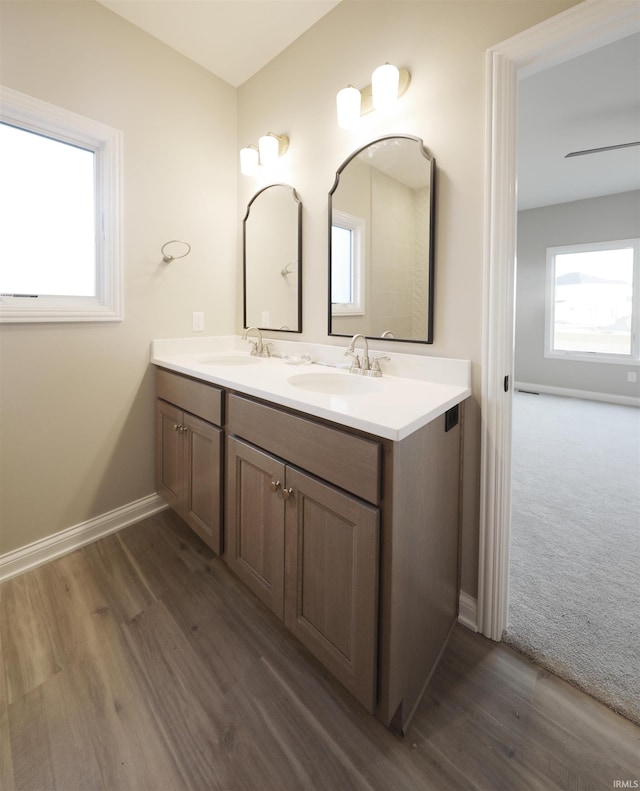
384 194
348 269
342 272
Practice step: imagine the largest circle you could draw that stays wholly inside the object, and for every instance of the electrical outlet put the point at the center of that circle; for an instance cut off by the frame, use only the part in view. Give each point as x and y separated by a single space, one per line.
198 322
632 376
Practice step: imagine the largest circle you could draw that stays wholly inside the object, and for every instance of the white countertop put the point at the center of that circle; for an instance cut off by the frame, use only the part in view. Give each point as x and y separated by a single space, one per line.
412 391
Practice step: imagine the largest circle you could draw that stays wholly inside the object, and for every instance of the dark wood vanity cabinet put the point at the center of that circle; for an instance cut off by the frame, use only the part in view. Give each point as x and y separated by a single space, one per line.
189 445
310 552
331 580
254 539
352 540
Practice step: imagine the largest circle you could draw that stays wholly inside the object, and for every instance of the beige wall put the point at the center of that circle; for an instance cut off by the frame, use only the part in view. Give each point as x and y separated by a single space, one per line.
443 45
76 400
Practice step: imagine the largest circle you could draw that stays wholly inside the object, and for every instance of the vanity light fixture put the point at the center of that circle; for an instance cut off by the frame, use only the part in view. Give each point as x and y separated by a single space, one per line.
271 147
265 154
249 160
385 82
348 102
388 83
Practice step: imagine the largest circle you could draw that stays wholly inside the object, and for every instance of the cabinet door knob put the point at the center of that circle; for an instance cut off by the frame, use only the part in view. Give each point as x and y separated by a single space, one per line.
275 485
287 493
183 429
176 427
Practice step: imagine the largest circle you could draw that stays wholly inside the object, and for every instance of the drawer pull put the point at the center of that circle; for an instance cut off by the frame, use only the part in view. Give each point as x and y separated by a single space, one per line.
275 485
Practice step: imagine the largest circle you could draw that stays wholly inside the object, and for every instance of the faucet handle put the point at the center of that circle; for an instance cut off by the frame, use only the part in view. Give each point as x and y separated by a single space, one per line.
355 365
375 369
260 349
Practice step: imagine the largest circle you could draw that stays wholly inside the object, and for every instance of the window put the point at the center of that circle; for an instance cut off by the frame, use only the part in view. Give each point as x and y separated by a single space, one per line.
347 264
60 214
592 305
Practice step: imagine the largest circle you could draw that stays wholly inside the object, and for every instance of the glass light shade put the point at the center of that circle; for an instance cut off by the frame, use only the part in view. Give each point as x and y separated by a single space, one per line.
384 86
348 106
248 161
268 145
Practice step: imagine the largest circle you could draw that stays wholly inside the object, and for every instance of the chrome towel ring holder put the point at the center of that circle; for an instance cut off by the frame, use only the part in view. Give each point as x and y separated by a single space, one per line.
167 257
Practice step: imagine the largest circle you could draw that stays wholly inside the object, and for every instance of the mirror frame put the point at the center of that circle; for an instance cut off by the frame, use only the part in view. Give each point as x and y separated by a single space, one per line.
422 149
297 200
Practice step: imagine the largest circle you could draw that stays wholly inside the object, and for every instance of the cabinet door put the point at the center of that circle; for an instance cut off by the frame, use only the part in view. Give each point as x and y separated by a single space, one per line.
331 597
203 461
169 454
254 538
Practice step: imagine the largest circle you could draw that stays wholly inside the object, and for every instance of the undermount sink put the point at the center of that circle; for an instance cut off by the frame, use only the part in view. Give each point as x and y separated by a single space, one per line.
229 359
335 384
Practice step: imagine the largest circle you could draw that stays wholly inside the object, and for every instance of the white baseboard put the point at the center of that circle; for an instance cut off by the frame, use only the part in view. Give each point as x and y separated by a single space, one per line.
585 394
468 611
46 549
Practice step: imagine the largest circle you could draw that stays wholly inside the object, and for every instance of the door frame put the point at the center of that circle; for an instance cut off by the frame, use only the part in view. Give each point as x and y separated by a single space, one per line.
580 29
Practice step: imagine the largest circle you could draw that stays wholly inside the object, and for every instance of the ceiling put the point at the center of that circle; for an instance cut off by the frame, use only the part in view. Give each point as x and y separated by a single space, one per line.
232 39
588 102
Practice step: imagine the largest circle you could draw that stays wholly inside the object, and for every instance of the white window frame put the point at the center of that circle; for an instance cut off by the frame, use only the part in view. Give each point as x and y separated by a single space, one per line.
34 115
357 225
601 357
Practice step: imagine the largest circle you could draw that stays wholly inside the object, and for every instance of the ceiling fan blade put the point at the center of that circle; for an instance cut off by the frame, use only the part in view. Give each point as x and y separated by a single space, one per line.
604 148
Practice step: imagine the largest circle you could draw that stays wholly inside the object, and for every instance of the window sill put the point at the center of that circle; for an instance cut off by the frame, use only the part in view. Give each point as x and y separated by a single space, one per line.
593 357
49 309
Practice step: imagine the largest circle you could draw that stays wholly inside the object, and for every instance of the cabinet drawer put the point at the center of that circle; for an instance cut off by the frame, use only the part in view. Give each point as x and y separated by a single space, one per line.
348 461
198 398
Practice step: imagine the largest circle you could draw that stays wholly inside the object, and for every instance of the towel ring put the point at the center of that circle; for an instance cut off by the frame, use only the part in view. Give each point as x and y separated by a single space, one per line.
167 258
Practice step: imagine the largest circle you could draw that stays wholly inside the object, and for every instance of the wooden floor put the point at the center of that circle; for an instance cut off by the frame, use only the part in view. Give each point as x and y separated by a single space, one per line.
140 662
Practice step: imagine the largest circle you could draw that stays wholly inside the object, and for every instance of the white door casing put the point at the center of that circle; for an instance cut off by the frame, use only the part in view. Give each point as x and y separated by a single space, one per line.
580 29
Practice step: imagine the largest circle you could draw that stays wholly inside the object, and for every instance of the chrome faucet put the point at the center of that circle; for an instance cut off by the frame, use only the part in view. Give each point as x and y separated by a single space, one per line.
259 348
357 367
368 367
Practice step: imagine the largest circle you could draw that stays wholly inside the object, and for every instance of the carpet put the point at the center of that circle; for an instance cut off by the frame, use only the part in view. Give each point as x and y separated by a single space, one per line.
574 582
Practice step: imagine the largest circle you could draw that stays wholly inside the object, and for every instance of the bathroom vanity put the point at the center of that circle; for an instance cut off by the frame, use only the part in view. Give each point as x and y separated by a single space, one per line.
337 503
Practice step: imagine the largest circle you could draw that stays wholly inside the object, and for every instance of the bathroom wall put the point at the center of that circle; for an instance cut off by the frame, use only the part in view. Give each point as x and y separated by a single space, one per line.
594 220
443 45
76 400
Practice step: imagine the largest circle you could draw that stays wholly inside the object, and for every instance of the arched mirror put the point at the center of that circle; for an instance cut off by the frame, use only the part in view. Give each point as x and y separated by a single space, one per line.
272 260
381 242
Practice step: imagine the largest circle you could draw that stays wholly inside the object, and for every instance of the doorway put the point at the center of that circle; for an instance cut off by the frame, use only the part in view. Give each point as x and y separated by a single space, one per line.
574 32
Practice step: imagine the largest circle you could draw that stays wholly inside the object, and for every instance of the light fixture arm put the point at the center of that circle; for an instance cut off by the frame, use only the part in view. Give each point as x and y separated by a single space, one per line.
283 143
